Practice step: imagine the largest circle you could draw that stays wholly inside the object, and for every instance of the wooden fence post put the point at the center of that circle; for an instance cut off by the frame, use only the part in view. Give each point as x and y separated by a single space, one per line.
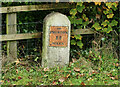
11 26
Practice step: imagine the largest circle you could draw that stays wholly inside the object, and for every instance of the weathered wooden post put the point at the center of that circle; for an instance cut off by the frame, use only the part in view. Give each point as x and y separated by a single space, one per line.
11 25
56 40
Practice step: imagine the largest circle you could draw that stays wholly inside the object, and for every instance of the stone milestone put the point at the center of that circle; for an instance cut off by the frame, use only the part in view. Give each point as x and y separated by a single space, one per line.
56 40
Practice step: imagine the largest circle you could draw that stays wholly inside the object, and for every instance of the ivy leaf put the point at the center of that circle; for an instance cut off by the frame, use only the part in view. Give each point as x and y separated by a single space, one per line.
72 19
105 23
114 8
110 16
73 11
79 3
78 21
109 4
78 37
80 44
108 11
73 42
84 17
114 23
104 29
109 29
115 4
85 23
97 26
97 3
80 8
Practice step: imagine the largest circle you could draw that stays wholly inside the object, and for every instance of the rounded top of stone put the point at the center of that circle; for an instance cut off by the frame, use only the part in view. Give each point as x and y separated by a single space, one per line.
58 17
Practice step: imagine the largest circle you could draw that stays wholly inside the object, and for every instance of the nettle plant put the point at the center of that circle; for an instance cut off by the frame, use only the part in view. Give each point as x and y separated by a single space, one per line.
99 16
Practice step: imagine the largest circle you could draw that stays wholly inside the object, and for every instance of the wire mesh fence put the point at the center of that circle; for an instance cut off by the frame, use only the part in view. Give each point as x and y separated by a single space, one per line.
28 48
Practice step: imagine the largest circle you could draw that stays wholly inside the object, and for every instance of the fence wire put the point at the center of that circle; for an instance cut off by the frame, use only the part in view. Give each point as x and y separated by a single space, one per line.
26 49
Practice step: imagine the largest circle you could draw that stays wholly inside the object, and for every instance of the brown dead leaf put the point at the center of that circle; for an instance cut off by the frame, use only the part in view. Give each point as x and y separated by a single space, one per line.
91 21
89 79
116 77
116 64
81 75
109 74
112 78
94 72
54 83
99 9
105 82
82 83
90 51
46 69
74 60
62 79
70 64
28 69
17 61
68 75
97 16
19 77
104 7
76 69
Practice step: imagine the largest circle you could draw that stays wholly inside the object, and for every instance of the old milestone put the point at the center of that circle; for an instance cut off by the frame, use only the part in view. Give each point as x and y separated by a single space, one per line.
56 40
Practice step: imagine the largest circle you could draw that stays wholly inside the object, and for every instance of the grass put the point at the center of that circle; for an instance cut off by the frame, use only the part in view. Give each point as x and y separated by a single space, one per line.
76 73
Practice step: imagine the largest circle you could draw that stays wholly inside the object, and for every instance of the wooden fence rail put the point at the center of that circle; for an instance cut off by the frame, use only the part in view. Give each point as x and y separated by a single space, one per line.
11 37
11 19
24 8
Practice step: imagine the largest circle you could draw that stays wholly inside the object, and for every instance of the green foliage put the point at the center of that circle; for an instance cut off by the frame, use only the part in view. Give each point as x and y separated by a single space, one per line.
77 41
97 26
99 16
77 73
73 12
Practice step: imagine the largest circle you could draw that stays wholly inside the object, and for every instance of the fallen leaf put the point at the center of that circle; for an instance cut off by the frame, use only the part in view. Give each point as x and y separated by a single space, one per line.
109 74
54 83
82 83
76 69
28 69
97 16
94 72
116 77
19 77
45 75
68 75
90 51
70 64
99 9
62 79
104 7
116 64
74 60
105 82
17 61
81 75
46 69
89 79
112 78
91 21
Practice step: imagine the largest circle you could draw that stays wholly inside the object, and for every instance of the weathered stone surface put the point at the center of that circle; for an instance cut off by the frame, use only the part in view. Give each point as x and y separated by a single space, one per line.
56 40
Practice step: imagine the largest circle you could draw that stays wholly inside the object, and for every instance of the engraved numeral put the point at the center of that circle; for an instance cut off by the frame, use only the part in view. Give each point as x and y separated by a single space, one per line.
60 37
